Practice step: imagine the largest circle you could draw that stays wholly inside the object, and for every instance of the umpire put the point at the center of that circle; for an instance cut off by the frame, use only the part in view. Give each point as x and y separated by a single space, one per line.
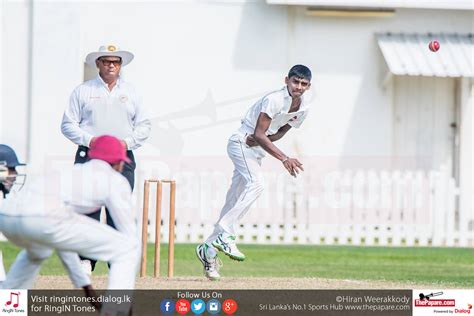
106 105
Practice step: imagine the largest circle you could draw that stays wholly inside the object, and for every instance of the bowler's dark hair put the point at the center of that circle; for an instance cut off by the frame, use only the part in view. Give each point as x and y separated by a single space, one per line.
300 71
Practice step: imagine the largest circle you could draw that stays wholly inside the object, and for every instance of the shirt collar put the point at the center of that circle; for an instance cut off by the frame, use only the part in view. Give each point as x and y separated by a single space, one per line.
287 97
102 82
286 93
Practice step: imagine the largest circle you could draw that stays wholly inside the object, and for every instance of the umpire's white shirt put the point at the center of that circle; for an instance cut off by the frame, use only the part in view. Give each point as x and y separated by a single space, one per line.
83 188
95 110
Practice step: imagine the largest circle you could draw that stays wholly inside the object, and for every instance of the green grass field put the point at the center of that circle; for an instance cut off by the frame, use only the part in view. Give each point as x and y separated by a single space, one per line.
452 267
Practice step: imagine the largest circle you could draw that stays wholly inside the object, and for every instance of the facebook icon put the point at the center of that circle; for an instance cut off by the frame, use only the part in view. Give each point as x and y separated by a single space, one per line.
167 306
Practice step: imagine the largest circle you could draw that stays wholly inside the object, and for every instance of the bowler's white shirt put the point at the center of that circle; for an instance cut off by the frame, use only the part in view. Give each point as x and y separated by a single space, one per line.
94 110
276 105
83 188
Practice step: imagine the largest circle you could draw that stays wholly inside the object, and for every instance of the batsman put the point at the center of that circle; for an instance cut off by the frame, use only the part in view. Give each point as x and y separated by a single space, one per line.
267 121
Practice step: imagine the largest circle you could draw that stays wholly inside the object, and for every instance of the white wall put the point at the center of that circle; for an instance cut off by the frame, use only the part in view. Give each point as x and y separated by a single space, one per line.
200 65
14 79
351 107
218 53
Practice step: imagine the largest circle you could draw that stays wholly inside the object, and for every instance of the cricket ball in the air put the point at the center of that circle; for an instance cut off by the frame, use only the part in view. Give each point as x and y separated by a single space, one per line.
433 46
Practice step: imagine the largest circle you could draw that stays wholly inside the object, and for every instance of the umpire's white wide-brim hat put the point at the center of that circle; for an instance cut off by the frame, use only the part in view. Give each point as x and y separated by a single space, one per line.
109 50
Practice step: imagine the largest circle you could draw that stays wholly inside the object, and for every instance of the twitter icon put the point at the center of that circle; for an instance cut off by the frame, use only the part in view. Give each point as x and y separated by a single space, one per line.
198 306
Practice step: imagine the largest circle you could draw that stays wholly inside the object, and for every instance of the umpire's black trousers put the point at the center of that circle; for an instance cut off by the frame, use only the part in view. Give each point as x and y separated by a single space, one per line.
128 172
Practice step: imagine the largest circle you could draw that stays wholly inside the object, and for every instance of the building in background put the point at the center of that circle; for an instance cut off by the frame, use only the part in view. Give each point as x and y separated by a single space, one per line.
387 145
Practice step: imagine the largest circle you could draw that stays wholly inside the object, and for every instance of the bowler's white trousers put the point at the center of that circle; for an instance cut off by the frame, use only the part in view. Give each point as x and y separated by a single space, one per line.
71 234
246 185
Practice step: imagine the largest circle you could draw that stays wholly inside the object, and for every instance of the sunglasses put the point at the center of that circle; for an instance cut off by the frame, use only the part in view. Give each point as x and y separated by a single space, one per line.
107 62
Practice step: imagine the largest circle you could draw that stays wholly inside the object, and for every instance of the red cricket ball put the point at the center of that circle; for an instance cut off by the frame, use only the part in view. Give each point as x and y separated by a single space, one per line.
434 46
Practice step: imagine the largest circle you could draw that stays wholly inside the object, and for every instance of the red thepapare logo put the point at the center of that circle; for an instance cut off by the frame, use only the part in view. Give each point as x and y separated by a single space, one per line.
182 306
229 306
435 303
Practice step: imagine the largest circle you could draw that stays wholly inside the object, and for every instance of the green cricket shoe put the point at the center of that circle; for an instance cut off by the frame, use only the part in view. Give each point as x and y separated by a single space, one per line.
211 264
227 245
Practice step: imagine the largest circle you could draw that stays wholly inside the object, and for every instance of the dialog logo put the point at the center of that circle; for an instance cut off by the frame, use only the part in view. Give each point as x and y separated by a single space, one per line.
463 310
198 306
182 306
229 306
167 306
213 307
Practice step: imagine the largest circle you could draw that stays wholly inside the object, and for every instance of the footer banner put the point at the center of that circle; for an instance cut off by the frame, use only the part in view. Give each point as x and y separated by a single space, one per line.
236 302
